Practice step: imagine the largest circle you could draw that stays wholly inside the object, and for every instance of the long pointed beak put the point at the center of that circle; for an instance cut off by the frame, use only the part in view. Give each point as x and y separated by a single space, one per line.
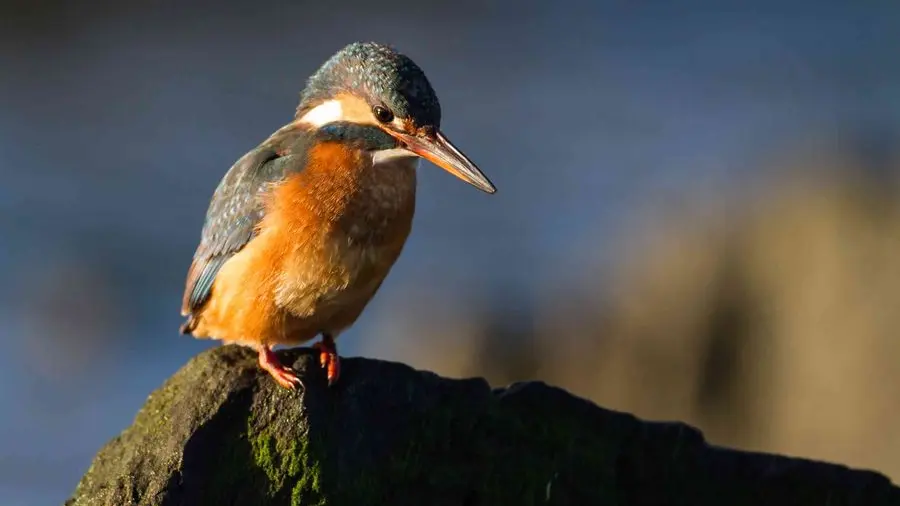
438 150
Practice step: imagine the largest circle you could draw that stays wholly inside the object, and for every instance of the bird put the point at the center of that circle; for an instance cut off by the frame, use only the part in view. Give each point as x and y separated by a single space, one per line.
302 230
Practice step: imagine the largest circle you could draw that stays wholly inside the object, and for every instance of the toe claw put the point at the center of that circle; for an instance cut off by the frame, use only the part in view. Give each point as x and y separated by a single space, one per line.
283 375
329 359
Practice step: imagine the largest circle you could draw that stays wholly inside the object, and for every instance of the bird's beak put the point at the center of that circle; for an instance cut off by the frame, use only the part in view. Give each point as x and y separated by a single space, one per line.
438 150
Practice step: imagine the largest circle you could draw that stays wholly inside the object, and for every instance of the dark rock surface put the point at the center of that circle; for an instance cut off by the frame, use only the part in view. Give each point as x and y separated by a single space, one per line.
220 432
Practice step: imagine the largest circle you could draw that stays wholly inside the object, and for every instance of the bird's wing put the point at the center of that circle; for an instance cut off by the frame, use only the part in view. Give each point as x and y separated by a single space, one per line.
232 218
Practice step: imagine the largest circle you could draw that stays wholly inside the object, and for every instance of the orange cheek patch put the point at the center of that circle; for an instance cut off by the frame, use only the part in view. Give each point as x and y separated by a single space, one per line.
355 109
409 127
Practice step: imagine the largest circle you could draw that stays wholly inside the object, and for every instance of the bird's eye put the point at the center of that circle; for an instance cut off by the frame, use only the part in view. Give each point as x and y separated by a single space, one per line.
382 114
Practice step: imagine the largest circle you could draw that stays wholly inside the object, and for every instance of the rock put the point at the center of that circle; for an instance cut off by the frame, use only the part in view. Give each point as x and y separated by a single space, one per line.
220 432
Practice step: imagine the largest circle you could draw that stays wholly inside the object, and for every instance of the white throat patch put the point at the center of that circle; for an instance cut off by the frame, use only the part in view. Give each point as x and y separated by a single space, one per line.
324 113
391 155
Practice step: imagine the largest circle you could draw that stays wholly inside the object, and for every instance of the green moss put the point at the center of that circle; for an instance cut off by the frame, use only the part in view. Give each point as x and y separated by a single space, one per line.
288 464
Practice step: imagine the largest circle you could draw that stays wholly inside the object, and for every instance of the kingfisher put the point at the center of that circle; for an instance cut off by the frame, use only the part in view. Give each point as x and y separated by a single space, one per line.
303 229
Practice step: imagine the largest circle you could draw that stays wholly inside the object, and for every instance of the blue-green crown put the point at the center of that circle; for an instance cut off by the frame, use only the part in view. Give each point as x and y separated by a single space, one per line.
379 74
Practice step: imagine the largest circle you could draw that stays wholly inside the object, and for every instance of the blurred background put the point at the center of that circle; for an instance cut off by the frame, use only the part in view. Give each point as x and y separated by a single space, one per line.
698 214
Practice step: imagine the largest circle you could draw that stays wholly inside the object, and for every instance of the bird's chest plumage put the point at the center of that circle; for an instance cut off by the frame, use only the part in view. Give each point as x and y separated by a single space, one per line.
340 231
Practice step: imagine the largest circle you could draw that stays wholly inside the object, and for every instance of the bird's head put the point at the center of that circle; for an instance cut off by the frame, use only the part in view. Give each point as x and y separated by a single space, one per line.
369 88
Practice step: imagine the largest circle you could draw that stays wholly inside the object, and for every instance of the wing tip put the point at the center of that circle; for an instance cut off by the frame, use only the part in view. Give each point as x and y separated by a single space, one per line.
187 328
190 283
198 287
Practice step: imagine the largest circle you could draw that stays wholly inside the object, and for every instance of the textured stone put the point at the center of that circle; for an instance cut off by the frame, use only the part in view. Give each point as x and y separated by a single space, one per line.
220 432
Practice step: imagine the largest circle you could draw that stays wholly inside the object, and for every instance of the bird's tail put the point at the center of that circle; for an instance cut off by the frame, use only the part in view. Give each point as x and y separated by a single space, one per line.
187 327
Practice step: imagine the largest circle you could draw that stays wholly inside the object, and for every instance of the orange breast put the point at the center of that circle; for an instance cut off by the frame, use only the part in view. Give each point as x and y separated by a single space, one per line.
329 238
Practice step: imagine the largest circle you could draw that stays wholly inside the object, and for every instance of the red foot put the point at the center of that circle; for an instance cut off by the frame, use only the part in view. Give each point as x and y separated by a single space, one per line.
285 376
329 358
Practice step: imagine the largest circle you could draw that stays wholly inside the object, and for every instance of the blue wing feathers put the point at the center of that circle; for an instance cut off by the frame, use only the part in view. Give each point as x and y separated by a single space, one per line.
236 209
231 221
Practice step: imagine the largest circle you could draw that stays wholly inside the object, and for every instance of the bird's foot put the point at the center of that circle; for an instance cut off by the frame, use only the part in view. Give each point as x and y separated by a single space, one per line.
283 375
329 358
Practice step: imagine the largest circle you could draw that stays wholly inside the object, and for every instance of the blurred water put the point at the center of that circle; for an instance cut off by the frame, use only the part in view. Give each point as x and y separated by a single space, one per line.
118 120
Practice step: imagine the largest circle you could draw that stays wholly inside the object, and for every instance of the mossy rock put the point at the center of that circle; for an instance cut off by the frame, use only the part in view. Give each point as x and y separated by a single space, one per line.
220 432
